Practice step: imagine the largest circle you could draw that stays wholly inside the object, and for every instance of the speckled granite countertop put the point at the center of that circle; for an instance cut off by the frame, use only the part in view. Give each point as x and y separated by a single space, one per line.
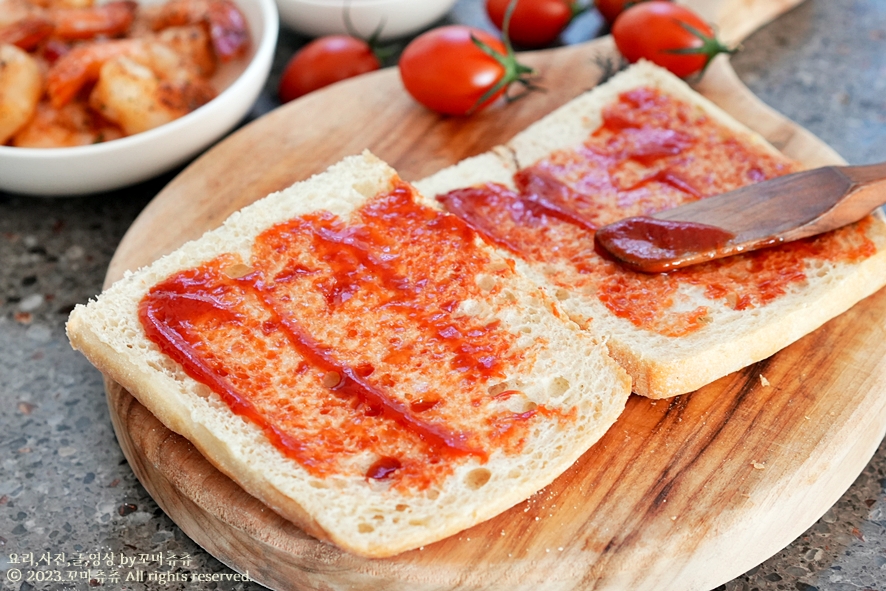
65 487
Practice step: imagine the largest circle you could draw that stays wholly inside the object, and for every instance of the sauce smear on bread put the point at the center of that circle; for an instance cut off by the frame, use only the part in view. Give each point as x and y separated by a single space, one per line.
348 343
652 152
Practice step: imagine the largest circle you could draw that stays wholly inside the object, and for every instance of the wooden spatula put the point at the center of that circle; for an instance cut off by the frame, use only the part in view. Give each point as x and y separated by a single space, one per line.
764 214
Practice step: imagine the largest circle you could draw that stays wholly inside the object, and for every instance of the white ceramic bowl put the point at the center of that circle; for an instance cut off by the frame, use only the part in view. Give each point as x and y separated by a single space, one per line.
326 17
122 162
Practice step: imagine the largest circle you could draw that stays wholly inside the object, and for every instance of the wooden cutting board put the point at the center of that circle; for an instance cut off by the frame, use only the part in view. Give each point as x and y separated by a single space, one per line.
682 494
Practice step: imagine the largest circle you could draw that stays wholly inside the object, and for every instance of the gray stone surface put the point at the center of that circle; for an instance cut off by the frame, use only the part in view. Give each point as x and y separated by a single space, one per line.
65 487
823 64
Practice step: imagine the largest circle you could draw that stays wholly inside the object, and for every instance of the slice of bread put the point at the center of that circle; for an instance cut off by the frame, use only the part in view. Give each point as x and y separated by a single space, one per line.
379 375
673 333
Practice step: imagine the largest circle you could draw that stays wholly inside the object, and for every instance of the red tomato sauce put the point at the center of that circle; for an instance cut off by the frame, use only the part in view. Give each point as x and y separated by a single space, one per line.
652 152
342 341
641 241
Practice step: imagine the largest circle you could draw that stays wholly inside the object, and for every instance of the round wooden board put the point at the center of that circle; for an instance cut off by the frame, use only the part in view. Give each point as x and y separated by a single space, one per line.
682 494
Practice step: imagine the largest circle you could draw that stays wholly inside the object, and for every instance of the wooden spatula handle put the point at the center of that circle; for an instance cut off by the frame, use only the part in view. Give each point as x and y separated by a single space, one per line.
865 173
866 193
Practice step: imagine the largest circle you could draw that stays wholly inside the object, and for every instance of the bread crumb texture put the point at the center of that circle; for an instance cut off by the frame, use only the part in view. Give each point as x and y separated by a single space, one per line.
359 360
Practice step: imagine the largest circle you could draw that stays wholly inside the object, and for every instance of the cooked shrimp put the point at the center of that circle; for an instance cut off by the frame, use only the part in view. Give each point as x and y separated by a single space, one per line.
12 11
111 19
18 21
63 3
82 65
227 25
135 98
72 125
20 88
26 25
27 33
194 43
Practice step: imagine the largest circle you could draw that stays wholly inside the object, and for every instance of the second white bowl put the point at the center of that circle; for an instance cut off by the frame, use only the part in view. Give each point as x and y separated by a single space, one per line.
399 18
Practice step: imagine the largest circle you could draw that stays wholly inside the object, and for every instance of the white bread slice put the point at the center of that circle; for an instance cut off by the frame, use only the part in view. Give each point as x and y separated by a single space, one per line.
556 367
663 366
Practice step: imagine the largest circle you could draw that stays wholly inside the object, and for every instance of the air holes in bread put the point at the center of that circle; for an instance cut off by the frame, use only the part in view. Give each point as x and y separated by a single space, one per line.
497 388
498 266
238 270
559 386
368 187
331 379
477 477
486 282
365 528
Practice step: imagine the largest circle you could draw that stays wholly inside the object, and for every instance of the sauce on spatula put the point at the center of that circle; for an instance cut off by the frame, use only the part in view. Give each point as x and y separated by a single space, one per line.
771 212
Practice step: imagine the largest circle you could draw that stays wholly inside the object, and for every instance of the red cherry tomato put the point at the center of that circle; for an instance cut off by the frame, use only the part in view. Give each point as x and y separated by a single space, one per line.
447 72
534 23
667 34
610 9
324 61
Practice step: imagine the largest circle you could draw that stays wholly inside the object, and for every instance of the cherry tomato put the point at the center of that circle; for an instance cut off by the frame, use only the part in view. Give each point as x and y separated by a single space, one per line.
324 61
447 72
667 34
534 23
610 9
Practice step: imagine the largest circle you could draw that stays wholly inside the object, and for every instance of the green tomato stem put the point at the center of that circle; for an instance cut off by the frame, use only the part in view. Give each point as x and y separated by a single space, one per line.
710 46
577 8
513 70
381 52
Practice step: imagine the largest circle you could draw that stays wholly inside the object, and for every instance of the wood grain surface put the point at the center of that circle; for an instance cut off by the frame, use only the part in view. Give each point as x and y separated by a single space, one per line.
682 494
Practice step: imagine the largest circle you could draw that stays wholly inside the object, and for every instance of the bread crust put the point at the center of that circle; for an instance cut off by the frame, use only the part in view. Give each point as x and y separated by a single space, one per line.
586 382
660 366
